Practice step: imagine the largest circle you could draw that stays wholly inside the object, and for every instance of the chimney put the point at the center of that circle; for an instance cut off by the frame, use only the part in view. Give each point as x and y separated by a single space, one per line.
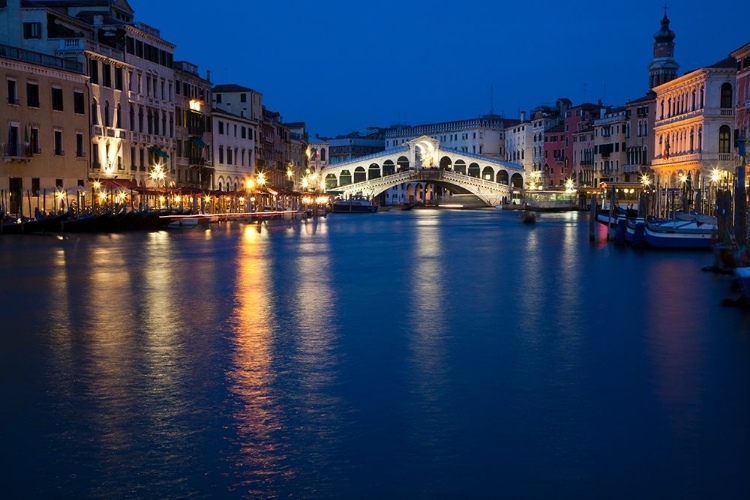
208 75
523 116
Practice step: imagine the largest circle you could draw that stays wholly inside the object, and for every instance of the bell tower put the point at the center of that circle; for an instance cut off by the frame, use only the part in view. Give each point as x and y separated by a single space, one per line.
663 68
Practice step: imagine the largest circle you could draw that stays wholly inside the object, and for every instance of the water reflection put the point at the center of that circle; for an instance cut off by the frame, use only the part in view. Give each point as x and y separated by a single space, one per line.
675 343
251 376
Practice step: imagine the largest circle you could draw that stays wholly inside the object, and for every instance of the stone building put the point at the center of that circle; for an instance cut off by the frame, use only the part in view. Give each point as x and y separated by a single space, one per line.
44 131
193 137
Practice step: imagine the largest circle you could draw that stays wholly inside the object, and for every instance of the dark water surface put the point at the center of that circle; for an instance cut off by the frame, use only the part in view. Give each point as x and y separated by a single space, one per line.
417 354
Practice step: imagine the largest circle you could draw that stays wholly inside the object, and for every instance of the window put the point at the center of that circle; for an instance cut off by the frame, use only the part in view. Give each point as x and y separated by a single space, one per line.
229 156
94 71
34 144
218 98
59 143
32 30
221 154
118 116
32 95
35 186
724 140
221 127
118 78
95 155
12 92
94 112
57 99
79 145
106 75
726 95
106 113
78 105
132 118
243 97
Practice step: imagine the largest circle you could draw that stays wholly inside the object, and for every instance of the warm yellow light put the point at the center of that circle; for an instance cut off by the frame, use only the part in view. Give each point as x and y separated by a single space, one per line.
178 198
261 178
208 198
162 200
97 184
305 183
249 184
289 173
715 175
322 200
102 196
195 105
242 199
60 195
645 180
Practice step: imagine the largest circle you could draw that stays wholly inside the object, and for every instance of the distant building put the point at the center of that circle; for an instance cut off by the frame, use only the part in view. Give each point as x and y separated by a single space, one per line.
555 162
355 145
639 137
579 141
609 145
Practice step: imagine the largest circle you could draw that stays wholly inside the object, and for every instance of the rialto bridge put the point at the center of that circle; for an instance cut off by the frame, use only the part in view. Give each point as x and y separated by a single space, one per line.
423 160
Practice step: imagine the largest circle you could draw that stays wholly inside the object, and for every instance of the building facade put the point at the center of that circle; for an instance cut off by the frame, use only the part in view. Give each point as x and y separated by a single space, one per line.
694 126
44 130
193 137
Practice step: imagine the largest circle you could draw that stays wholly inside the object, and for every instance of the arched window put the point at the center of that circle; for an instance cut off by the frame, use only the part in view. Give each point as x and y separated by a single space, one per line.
106 113
725 143
726 96
118 116
132 118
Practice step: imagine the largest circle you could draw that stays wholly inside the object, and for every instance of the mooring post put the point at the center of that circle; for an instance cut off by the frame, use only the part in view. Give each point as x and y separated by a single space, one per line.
592 219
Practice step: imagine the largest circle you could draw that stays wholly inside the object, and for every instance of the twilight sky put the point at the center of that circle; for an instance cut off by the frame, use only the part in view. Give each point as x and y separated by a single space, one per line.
341 66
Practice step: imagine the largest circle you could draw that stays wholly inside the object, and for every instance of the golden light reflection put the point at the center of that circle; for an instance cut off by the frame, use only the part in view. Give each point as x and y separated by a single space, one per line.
252 374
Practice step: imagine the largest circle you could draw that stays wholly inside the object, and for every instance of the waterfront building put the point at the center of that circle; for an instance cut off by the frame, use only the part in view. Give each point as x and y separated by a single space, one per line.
247 104
742 101
44 131
193 137
297 154
609 145
543 119
639 137
519 146
274 148
579 128
555 162
233 145
693 130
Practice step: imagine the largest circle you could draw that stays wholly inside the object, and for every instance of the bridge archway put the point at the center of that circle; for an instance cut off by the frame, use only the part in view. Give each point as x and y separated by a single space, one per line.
502 177
374 171
516 180
388 168
403 164
474 170
459 167
359 174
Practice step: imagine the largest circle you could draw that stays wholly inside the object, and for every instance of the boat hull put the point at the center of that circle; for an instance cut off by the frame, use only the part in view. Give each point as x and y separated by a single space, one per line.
665 237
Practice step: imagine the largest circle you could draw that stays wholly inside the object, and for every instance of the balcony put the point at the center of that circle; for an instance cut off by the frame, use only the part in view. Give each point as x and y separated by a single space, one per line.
16 152
66 45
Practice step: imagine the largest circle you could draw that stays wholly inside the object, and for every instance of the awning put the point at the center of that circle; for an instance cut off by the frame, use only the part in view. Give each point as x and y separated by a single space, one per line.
158 152
198 142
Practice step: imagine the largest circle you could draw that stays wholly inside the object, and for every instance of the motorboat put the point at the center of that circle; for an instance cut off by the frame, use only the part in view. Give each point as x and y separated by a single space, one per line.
353 206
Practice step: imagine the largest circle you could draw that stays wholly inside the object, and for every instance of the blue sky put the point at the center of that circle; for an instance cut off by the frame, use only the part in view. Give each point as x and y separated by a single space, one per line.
341 66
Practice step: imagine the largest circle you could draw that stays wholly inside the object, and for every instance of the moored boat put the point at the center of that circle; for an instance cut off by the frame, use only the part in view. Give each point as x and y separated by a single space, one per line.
354 206
686 232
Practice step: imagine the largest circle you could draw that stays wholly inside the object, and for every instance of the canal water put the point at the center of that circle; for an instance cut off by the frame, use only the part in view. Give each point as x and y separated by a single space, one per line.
420 354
